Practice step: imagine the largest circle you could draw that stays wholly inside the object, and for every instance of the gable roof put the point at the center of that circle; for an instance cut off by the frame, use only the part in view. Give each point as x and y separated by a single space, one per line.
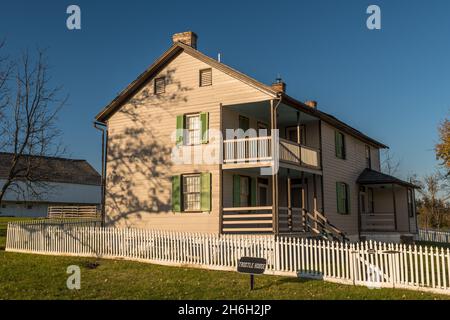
178 47
52 169
369 176
173 51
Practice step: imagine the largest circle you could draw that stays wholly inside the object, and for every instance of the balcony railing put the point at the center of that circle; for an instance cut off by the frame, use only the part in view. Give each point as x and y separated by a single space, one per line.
299 154
259 149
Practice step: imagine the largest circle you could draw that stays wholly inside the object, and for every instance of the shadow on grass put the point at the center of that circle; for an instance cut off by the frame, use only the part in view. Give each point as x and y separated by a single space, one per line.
284 281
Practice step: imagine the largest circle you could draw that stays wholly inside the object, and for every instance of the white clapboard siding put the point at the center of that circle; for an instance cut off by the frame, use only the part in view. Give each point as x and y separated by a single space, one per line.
434 236
371 264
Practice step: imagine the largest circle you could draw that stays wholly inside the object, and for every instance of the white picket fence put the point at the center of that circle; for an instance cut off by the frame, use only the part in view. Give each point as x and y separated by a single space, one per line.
434 236
369 263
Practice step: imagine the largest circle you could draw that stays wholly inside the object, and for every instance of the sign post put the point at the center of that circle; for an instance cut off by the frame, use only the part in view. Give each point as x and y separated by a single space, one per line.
252 266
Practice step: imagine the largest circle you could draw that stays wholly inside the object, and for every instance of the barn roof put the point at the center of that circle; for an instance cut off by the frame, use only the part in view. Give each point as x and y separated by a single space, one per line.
53 169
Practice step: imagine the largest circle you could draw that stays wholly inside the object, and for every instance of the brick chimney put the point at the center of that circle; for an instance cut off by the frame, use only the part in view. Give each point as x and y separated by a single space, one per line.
189 38
279 85
311 103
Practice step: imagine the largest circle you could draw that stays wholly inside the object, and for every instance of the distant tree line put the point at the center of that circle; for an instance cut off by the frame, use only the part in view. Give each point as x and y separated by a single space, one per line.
433 205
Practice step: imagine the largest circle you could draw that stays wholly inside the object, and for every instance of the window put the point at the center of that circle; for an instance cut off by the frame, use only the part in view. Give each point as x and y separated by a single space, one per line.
245 192
160 85
193 134
292 134
263 130
410 203
342 195
244 123
340 145
191 192
263 194
192 129
368 158
205 77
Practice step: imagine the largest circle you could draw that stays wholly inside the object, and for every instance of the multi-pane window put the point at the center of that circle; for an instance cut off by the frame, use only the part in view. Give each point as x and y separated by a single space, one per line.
205 77
343 198
340 145
368 158
191 192
193 130
160 85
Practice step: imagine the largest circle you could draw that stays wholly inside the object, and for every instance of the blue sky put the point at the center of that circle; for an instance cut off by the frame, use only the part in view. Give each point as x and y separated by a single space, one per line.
392 84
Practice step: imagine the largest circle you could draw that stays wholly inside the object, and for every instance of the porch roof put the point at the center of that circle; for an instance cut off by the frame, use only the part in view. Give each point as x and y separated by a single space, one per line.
369 176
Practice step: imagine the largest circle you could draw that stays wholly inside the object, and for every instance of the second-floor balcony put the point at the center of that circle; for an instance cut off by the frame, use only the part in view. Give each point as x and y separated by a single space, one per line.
255 150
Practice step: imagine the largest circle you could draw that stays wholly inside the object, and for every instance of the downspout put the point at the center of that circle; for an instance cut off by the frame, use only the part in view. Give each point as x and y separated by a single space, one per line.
101 126
275 176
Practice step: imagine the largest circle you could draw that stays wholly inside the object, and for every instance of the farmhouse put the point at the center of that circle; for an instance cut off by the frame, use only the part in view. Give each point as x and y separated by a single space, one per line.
303 173
58 182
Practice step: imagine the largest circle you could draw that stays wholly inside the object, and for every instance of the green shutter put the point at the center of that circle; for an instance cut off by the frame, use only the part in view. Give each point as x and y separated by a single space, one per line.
180 129
253 193
204 122
347 198
205 197
340 198
338 144
342 145
176 194
236 191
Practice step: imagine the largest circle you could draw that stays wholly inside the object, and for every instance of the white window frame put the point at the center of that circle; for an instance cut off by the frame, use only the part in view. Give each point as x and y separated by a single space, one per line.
193 136
191 191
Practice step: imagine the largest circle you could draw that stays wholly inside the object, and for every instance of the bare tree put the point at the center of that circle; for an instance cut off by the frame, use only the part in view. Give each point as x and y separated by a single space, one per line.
28 123
5 70
433 204
390 165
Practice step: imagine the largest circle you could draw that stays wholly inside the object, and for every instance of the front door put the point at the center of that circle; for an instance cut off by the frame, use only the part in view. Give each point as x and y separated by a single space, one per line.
296 197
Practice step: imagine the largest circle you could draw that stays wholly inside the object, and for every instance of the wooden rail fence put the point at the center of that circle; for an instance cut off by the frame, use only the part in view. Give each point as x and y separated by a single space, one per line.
371 264
73 212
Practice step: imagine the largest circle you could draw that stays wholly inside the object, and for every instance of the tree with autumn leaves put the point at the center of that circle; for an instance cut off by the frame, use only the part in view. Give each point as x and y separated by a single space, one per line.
443 147
434 205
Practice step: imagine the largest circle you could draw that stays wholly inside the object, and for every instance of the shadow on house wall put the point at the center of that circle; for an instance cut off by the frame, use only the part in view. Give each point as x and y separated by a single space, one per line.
138 159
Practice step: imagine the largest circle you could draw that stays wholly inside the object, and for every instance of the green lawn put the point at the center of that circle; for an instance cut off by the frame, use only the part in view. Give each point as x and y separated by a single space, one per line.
25 276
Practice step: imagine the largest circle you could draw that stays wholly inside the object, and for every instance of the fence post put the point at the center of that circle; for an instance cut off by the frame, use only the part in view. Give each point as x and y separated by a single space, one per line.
352 263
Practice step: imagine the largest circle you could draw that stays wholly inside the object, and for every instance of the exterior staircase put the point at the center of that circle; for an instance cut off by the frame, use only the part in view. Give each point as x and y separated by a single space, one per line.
317 224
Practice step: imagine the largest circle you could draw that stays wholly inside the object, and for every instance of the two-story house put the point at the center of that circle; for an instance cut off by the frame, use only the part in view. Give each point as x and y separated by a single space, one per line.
300 171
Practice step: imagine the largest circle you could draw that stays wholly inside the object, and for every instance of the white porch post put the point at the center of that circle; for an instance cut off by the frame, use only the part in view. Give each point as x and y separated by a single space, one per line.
273 126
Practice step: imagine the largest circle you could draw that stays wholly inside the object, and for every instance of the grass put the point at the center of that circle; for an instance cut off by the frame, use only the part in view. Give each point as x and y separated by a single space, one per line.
24 276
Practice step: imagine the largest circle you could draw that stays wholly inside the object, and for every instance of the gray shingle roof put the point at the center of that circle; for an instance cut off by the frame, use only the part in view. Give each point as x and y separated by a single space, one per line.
369 176
54 169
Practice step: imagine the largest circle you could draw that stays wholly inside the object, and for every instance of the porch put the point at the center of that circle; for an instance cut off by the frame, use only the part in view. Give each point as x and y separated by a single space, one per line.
259 151
386 204
267 133
292 205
